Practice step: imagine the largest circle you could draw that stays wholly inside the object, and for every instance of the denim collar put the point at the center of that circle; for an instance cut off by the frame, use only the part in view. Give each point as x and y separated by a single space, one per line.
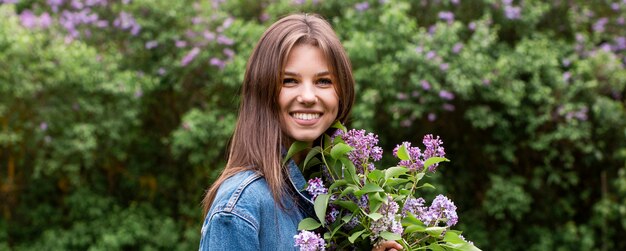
298 183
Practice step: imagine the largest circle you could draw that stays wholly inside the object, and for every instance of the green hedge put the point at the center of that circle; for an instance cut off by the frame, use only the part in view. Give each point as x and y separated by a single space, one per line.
109 134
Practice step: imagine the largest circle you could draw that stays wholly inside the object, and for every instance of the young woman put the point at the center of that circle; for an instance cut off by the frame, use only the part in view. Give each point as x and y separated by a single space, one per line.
298 81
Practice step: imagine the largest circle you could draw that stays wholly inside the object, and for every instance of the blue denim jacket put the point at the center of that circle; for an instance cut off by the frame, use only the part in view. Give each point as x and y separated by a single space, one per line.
244 215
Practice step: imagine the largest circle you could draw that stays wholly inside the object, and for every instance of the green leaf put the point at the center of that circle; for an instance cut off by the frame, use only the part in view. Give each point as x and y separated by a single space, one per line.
296 147
339 126
308 224
375 216
376 200
369 188
390 236
320 205
433 160
414 228
410 219
436 247
348 190
346 218
395 171
337 183
347 205
393 182
427 185
435 231
403 153
340 150
418 177
314 151
355 235
452 237
350 170
375 175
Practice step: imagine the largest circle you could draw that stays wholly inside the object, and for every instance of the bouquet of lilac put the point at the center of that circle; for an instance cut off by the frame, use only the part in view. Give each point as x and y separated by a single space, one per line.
359 206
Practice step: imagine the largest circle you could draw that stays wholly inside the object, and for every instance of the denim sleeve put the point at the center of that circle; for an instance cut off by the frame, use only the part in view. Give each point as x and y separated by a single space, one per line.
229 231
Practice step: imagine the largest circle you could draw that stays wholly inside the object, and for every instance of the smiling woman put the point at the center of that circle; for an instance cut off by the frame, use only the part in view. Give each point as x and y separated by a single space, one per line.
308 100
298 81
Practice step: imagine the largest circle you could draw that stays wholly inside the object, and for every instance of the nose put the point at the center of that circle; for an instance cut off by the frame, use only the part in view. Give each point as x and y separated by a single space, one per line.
307 95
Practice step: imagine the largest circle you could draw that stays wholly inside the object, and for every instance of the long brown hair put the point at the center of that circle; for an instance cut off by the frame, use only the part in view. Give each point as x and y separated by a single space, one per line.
257 140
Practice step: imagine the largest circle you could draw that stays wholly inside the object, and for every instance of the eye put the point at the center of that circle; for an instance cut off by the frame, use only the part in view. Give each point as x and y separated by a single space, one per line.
290 81
325 81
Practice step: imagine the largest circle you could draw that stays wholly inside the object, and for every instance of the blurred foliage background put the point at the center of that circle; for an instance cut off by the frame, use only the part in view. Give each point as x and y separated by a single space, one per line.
115 115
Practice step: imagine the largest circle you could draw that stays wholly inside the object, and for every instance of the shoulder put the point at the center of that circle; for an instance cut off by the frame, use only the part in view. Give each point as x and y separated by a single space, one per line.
243 195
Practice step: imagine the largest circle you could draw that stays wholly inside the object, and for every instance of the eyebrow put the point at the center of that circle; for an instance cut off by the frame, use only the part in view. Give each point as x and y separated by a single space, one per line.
319 74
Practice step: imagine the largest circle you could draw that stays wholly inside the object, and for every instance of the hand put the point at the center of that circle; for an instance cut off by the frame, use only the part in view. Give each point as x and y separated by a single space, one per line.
387 245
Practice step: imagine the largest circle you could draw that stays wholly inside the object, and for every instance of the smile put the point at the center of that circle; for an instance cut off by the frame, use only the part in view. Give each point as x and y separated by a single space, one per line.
305 116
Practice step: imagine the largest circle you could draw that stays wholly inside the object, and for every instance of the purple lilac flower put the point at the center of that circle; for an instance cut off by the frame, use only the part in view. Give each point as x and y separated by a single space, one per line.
43 126
388 222
615 6
472 26
414 206
365 148
430 55
455 2
566 62
432 117
362 6
316 187
448 107
217 63
229 53
620 43
566 76
161 71
54 4
402 96
457 48
419 49
415 161
446 95
433 149
209 36
126 21
446 16
332 214
299 2
151 44
599 25
180 43
28 19
190 56
425 85
620 21
512 12
441 210
8 1
221 39
309 241
444 66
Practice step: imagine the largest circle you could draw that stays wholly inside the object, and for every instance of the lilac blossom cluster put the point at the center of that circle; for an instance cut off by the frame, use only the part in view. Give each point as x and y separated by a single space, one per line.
316 187
388 222
79 18
309 241
365 148
441 210
416 159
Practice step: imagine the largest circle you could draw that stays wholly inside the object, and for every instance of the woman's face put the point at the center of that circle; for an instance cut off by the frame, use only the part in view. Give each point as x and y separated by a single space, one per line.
308 101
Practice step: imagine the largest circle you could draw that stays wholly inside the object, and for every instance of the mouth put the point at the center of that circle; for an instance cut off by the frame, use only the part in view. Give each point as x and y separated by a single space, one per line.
305 116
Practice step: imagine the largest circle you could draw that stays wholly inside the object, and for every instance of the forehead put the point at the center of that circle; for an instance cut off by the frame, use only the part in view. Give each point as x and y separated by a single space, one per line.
306 56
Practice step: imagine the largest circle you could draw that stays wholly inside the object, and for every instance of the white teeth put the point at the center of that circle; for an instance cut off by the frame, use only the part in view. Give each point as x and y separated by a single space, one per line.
306 116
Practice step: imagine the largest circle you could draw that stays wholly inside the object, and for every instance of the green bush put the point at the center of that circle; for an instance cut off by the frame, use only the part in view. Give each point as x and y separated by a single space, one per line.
109 134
